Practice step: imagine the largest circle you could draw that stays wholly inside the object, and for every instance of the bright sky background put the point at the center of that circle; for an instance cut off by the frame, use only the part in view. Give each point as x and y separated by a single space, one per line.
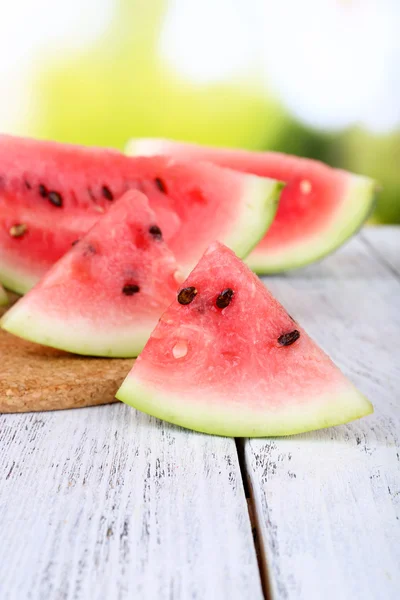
332 62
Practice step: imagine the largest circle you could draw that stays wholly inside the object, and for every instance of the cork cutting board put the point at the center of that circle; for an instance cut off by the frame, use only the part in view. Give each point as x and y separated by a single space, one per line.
34 377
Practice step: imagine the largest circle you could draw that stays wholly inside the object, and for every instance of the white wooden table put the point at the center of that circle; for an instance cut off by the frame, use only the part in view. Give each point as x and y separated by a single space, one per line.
109 503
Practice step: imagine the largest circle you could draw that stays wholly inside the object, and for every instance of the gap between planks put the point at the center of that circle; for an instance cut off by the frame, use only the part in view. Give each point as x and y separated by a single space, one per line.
265 570
293 564
254 521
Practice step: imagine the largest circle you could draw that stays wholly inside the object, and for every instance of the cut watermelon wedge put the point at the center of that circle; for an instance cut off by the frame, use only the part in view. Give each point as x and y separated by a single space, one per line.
3 296
104 297
51 194
231 361
320 207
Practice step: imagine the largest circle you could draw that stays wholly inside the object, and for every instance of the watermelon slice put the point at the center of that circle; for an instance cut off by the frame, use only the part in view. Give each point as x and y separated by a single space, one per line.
103 297
226 358
51 194
3 296
320 207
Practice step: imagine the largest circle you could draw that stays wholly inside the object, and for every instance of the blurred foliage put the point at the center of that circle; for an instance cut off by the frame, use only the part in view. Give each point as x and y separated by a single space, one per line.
120 88
379 157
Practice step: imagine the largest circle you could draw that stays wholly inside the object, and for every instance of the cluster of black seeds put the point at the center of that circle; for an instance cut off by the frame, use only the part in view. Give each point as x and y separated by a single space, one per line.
56 199
187 295
53 197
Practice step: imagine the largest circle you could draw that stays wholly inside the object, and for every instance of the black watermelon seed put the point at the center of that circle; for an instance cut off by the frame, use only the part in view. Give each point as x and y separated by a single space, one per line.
18 230
89 249
55 198
107 193
187 295
224 298
43 190
27 185
287 339
156 232
130 288
161 185
74 242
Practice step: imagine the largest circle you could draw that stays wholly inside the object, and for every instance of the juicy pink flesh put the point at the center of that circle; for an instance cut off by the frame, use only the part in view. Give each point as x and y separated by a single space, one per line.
234 351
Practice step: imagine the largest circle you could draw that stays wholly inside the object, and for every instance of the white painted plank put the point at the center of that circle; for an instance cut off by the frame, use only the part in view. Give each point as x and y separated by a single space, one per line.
109 503
328 502
385 243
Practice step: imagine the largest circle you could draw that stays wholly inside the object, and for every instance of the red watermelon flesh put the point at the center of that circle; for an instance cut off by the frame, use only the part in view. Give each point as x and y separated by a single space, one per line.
51 194
231 361
103 297
320 207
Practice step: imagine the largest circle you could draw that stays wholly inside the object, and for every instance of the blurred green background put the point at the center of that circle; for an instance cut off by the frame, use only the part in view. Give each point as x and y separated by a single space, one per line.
316 78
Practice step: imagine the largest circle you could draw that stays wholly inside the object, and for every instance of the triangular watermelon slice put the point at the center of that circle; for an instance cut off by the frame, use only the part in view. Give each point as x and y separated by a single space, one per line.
104 297
226 358
3 296
320 207
52 193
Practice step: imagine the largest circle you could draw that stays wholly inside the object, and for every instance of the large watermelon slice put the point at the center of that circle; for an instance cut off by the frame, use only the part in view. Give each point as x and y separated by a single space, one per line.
51 194
103 297
320 207
226 358
3 296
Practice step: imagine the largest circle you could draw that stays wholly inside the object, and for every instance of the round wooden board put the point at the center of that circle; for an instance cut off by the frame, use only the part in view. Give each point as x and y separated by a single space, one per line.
34 377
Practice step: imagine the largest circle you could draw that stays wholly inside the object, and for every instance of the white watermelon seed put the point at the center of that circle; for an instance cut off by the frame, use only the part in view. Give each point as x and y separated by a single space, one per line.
180 349
305 186
18 230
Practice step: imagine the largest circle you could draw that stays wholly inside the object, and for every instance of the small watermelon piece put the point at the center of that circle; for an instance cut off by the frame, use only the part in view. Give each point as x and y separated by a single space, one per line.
226 358
320 207
104 297
3 296
51 194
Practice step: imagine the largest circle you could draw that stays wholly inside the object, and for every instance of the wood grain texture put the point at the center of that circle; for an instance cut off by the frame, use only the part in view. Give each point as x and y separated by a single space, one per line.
384 242
108 503
35 378
328 503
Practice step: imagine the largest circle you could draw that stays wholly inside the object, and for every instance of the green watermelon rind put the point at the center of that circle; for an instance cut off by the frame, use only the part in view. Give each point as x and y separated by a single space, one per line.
354 210
20 284
77 337
3 296
335 409
260 199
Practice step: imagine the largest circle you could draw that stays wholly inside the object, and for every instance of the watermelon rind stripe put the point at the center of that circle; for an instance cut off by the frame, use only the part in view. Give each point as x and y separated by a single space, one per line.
351 214
3 297
78 336
352 211
259 203
20 283
215 415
